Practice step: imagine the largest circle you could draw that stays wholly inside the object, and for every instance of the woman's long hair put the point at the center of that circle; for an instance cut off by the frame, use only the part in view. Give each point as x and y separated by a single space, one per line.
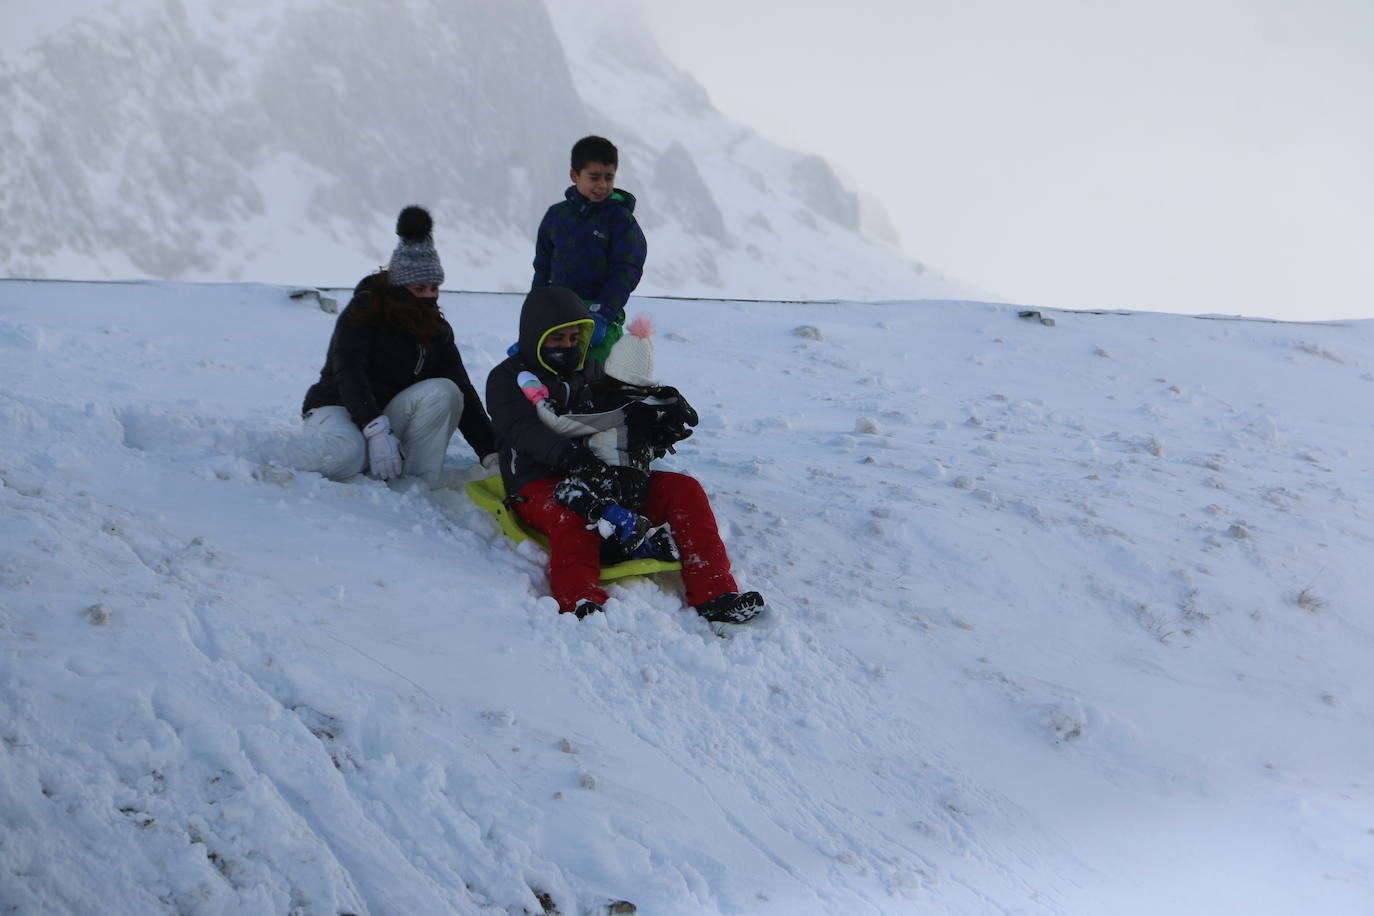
421 318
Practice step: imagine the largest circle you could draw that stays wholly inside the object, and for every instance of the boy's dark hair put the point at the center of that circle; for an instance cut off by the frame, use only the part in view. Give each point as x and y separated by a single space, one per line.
594 149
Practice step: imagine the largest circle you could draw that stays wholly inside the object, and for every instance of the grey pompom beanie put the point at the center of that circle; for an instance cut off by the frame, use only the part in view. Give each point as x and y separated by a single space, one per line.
415 262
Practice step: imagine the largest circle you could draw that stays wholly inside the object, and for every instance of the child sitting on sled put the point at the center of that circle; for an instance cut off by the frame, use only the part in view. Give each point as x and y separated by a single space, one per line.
637 421
555 328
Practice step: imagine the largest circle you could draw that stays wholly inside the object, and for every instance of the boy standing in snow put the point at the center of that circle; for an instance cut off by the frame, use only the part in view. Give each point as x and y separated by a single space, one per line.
637 421
555 328
591 243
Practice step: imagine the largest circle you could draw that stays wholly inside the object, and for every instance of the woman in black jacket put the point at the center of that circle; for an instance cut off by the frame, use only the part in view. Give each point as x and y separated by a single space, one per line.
393 388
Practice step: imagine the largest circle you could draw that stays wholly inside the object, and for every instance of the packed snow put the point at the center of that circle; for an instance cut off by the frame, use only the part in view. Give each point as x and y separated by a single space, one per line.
1065 618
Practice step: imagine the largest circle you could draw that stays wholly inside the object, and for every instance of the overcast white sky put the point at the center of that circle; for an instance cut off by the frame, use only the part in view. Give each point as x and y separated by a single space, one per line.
1183 155
1177 155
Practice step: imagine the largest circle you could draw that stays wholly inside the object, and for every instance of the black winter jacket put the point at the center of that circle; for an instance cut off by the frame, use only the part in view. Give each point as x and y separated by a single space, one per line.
370 361
529 449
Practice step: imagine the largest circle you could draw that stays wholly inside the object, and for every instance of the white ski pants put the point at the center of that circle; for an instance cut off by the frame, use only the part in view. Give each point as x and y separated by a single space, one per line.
423 416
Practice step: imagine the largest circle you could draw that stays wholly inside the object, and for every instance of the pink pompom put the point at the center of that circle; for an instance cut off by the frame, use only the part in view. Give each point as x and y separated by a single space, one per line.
641 326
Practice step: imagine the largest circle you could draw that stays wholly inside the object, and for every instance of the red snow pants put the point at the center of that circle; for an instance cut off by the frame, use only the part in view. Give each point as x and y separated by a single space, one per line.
575 552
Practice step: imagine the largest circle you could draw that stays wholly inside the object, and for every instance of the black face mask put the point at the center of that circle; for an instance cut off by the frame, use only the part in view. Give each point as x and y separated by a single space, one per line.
561 360
420 302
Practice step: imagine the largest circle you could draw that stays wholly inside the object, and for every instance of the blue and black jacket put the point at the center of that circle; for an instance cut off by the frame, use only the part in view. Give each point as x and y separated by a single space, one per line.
595 249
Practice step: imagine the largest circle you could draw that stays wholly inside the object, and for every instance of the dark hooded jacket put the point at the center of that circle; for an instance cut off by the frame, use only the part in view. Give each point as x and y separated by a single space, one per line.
529 449
371 360
596 249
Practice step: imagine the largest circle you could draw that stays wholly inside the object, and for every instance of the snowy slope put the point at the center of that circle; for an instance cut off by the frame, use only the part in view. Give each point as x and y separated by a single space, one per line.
1065 620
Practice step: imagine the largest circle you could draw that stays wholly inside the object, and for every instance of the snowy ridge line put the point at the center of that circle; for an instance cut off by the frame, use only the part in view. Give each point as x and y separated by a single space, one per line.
152 281
460 292
1122 313
1125 313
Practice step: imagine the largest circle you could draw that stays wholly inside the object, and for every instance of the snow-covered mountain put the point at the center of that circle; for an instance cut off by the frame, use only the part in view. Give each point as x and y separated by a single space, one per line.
193 139
1068 619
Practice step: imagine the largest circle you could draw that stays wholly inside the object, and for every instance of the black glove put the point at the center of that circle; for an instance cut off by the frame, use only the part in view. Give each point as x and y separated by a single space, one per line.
665 438
675 409
577 456
582 463
637 413
681 416
675 417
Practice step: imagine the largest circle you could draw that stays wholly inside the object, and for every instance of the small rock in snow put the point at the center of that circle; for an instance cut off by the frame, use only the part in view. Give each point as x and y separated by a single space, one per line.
1151 446
499 717
1066 720
98 614
868 426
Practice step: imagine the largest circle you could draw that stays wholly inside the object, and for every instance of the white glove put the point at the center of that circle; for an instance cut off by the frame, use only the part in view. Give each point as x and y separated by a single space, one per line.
490 461
384 455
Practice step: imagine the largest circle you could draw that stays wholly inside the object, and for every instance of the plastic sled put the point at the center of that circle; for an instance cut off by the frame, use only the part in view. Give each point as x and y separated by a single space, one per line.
488 493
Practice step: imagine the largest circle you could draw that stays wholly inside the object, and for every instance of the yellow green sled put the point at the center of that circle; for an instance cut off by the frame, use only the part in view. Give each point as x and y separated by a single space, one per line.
489 493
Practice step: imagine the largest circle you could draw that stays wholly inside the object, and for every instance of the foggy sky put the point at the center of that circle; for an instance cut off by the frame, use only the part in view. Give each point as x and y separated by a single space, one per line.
1185 155
1191 156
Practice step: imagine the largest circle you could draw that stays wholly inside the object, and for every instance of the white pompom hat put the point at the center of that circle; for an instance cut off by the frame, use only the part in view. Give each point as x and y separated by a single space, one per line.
631 359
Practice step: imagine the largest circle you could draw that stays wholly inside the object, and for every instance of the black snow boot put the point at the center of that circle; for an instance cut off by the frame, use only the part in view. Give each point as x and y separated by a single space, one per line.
731 607
585 608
